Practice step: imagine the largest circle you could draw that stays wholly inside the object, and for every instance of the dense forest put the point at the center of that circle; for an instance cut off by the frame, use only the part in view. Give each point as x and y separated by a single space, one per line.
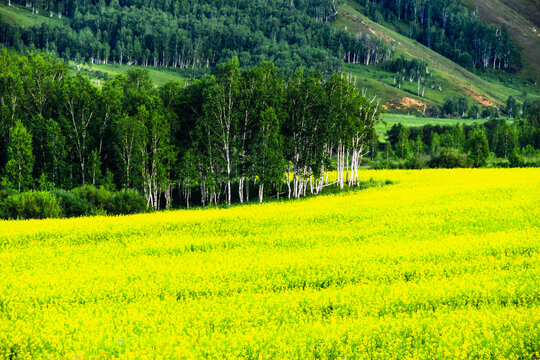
449 28
195 34
223 137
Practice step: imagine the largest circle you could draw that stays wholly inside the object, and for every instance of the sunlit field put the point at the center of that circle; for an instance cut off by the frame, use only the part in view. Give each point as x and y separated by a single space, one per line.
442 264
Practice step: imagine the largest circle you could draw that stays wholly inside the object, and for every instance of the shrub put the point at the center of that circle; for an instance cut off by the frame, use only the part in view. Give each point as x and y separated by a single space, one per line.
450 159
514 160
127 202
98 198
31 205
416 162
72 205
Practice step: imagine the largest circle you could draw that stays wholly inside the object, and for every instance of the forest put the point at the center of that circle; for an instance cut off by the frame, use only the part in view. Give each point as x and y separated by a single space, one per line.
195 34
223 138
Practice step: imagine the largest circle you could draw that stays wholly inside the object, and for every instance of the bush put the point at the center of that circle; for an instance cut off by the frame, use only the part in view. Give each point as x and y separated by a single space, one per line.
514 160
72 205
416 162
82 201
99 198
31 205
450 159
127 202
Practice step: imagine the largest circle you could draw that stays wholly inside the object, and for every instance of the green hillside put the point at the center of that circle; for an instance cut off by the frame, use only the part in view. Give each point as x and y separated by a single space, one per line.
454 80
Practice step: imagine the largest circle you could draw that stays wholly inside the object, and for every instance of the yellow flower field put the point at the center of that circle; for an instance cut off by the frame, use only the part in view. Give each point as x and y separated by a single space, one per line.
443 264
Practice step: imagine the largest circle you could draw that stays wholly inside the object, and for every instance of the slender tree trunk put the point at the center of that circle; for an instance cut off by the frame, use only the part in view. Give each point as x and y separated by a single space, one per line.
203 193
241 189
247 189
188 195
168 196
289 179
229 193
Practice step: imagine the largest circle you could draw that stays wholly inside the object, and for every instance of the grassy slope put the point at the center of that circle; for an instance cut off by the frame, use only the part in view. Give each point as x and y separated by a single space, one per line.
522 19
22 16
158 75
455 80
390 120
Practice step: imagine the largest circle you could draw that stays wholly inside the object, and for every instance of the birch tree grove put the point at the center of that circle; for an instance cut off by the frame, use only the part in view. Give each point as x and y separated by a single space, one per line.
256 127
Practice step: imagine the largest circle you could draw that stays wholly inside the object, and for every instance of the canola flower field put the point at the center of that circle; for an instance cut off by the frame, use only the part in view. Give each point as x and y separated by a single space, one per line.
442 264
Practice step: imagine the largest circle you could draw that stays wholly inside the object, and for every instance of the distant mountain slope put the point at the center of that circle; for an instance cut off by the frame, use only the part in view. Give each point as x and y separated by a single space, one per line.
522 19
530 9
454 79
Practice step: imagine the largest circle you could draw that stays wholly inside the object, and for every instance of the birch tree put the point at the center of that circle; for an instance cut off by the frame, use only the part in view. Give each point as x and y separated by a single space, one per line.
156 156
342 96
46 78
110 107
80 102
269 161
221 116
129 133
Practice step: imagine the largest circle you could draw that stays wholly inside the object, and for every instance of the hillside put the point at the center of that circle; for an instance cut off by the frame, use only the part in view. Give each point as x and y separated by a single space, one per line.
522 19
453 78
